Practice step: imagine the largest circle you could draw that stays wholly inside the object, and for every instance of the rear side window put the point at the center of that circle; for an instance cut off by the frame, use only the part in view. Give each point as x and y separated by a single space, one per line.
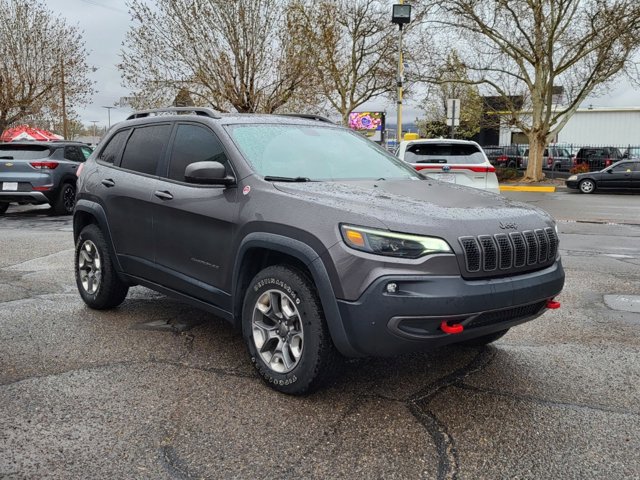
194 143
145 148
443 153
23 152
73 154
111 151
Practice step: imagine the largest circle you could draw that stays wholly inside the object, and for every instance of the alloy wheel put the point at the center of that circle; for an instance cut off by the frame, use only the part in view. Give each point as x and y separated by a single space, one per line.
69 198
277 331
89 267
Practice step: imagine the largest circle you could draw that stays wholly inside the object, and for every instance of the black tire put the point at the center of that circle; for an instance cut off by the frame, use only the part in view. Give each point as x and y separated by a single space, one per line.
65 200
587 186
317 357
485 339
3 207
110 290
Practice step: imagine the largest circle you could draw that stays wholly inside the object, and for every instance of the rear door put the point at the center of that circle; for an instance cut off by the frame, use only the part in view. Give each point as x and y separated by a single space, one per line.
127 185
194 224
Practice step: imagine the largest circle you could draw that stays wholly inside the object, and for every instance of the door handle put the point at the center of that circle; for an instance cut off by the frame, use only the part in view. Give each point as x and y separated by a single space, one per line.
163 195
107 182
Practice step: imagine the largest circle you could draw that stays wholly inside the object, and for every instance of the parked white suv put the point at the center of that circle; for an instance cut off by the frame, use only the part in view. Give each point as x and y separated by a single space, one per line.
456 161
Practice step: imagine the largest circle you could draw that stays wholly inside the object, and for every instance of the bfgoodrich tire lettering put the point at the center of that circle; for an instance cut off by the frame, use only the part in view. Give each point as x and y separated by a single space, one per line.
281 305
97 281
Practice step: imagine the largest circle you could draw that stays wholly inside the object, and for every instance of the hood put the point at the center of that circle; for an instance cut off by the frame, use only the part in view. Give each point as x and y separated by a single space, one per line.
424 207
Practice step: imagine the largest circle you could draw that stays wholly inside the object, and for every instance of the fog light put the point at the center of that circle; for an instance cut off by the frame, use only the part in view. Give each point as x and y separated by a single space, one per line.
392 287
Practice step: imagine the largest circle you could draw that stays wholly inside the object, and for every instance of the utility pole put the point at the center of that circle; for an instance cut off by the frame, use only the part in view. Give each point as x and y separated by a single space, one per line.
64 100
109 115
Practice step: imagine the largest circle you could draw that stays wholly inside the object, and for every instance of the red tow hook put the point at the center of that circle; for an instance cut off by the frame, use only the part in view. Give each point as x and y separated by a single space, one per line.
552 304
451 329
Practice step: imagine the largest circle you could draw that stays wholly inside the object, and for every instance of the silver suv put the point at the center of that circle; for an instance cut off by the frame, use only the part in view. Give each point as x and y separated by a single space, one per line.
39 173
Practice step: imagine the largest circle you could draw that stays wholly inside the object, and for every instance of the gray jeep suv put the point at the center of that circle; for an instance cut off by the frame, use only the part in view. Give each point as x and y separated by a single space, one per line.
309 238
40 172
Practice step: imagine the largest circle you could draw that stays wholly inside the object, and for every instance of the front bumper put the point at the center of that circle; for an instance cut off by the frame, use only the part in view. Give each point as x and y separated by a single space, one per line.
571 183
383 324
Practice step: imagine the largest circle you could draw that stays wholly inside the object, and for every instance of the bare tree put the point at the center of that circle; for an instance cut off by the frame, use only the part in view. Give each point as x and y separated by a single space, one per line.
451 81
354 51
521 49
242 55
42 61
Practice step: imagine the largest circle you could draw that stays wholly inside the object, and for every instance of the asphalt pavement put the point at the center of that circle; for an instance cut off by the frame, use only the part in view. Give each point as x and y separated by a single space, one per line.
156 389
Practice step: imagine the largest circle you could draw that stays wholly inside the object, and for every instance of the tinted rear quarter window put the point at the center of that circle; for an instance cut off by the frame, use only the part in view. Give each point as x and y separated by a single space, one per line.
111 151
443 153
145 148
74 154
194 143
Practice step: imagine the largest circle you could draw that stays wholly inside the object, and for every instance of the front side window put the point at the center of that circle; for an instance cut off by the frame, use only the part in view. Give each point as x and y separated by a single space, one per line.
145 148
110 152
316 153
86 152
453 153
622 167
194 143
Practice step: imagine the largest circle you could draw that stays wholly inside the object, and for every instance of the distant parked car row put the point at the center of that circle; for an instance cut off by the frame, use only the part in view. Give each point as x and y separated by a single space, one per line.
559 157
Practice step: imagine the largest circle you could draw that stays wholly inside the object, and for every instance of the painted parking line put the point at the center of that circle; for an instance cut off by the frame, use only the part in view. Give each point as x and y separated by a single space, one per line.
525 188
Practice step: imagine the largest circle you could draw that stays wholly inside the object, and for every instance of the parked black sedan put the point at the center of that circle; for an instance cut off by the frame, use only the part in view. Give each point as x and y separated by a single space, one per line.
623 175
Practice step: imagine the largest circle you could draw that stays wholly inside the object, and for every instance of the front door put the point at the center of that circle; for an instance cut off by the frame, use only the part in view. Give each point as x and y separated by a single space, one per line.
194 224
619 176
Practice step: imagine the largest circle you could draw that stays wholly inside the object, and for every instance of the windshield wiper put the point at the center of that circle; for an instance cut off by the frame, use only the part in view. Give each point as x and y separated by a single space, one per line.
271 178
6 158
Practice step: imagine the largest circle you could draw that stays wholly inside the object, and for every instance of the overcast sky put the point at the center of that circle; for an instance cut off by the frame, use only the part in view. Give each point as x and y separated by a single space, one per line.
105 23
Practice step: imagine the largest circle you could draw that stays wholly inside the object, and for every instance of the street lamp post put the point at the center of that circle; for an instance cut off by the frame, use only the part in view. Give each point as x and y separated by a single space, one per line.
95 133
401 15
109 115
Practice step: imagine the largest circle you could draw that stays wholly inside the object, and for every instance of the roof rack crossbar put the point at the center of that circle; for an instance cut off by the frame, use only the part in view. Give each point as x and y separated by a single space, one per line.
202 111
308 116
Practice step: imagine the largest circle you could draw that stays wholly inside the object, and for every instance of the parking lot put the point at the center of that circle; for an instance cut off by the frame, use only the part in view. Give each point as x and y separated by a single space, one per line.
157 389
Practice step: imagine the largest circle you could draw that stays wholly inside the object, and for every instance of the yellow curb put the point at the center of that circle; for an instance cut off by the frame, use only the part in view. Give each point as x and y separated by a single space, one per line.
522 188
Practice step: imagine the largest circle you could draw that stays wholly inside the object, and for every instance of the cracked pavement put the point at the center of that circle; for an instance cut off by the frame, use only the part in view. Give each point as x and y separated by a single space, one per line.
158 389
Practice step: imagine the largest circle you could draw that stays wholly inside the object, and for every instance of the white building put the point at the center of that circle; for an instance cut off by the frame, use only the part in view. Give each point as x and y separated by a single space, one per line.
595 126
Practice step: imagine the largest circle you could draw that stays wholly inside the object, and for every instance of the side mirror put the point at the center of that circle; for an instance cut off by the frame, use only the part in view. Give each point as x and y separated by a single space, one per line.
207 173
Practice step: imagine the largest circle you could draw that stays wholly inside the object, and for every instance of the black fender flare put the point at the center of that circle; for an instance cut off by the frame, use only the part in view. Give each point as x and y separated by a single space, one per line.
96 211
313 262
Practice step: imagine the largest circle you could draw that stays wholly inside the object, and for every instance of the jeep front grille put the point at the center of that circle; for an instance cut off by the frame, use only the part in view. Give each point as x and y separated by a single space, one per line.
502 252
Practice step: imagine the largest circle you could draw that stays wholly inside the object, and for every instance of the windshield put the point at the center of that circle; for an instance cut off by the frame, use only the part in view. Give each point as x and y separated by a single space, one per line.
26 152
315 153
456 153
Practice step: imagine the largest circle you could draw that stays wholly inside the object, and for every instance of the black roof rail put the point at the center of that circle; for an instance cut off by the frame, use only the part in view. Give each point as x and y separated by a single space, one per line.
202 111
308 116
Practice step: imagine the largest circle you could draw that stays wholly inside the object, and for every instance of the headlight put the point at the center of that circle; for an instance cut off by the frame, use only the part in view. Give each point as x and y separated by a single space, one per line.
392 244
573 177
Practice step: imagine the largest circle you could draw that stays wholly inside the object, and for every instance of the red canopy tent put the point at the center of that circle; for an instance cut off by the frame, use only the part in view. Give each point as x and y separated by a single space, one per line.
25 132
